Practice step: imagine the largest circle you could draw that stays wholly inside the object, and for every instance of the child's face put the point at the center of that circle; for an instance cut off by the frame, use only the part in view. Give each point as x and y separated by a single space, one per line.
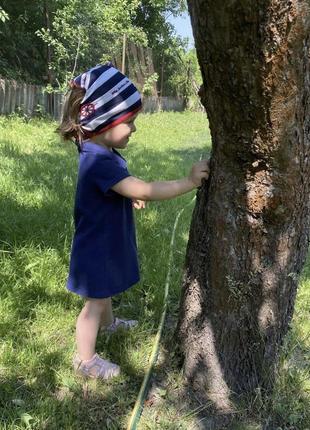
118 136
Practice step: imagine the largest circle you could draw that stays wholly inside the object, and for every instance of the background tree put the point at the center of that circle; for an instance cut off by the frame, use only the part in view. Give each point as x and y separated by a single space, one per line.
82 36
46 41
250 228
167 47
22 53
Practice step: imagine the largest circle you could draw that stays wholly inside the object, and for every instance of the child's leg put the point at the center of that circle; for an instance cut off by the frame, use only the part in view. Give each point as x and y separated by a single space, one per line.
107 316
88 324
110 324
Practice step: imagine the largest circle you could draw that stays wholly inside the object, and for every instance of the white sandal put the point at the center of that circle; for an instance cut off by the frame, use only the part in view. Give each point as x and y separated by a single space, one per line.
95 368
118 324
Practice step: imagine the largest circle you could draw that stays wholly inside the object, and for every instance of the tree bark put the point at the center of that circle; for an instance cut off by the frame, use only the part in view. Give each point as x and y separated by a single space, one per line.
250 229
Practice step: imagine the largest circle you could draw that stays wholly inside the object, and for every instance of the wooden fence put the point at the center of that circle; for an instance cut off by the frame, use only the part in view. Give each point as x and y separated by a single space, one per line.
156 104
33 100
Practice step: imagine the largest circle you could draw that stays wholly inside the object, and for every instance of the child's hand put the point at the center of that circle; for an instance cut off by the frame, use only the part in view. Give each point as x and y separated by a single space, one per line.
138 204
200 170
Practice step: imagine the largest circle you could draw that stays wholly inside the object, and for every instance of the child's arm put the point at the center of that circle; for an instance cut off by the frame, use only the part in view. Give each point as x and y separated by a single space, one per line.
135 188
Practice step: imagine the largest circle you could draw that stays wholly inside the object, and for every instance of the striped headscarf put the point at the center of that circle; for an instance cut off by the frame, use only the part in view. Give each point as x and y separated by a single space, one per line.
110 98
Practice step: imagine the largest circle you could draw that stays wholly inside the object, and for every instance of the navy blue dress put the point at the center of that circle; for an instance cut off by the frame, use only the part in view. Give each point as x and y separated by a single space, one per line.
104 258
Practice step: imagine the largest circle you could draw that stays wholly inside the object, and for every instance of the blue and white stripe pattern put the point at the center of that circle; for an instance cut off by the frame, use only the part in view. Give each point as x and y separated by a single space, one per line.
110 98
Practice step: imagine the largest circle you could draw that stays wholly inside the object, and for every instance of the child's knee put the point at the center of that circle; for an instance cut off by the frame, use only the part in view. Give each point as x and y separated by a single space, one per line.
97 305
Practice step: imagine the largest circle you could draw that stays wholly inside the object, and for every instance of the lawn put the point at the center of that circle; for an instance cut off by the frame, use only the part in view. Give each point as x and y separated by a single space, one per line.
38 389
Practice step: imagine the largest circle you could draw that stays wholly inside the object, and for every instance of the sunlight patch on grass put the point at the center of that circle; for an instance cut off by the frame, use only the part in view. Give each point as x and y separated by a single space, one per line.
38 315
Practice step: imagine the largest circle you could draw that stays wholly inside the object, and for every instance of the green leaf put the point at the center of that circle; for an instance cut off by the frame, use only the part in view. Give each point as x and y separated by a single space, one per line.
25 419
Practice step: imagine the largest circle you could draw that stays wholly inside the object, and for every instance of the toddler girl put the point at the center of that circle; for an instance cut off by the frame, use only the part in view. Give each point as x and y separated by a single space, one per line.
99 115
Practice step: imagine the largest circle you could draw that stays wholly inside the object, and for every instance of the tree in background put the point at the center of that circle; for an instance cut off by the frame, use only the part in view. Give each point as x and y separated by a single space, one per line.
22 53
48 41
184 79
81 36
168 48
250 229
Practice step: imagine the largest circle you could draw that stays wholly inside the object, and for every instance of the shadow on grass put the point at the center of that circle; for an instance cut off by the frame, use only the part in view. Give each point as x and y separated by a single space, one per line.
286 408
78 405
41 210
37 219
53 398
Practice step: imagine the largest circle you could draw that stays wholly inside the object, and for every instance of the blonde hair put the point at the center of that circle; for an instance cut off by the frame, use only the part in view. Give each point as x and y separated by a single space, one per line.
69 127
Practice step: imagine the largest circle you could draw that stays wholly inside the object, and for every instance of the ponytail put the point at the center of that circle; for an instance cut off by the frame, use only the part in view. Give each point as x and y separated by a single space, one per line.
69 127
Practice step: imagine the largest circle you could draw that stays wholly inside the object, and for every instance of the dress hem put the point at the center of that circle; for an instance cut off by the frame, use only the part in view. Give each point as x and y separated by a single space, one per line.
103 296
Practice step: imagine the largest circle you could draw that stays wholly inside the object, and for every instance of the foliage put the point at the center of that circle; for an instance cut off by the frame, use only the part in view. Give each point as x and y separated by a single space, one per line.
83 34
149 84
183 74
151 15
48 41
191 58
167 48
3 15
22 53
72 38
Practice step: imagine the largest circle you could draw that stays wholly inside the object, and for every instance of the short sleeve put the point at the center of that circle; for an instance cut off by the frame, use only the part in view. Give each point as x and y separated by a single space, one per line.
109 171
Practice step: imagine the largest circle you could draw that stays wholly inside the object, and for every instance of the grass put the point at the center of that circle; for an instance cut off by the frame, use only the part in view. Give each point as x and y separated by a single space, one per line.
37 315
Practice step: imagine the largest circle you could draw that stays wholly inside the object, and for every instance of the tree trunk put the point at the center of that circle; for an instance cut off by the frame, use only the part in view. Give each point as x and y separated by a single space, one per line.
250 228
48 48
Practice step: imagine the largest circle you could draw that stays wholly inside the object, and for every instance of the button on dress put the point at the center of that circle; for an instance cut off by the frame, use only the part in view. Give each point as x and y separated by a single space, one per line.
104 259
